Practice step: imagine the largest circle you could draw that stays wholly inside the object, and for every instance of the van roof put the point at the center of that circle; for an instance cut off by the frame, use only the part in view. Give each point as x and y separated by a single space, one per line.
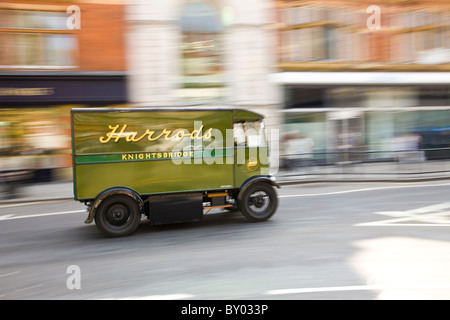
238 113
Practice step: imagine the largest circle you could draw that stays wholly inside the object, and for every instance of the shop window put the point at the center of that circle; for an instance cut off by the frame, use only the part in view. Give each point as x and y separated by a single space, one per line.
306 97
36 39
202 55
435 96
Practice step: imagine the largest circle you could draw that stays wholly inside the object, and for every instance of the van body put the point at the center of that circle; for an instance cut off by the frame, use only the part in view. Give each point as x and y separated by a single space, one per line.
169 165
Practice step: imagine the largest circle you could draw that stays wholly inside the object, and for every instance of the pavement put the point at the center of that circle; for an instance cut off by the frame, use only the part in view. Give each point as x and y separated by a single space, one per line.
344 172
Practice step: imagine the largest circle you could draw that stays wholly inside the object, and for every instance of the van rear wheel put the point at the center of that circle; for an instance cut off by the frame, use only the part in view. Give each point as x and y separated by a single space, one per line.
117 216
259 202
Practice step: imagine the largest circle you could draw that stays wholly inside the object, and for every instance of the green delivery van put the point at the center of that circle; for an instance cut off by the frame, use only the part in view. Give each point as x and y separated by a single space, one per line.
169 165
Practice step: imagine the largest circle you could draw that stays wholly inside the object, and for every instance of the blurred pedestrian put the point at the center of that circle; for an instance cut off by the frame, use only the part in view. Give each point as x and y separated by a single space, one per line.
305 151
299 151
291 144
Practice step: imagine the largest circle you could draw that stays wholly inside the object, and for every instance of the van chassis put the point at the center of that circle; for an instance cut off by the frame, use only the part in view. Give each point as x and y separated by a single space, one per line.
117 211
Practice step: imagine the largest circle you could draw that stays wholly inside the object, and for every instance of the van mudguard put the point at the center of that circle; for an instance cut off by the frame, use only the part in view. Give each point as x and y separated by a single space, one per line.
257 179
110 192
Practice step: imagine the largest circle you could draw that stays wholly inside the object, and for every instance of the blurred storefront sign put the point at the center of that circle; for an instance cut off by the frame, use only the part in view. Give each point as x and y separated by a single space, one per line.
56 88
344 114
360 78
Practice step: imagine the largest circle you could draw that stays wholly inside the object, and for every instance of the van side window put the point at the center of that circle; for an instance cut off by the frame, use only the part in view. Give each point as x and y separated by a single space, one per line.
239 134
249 134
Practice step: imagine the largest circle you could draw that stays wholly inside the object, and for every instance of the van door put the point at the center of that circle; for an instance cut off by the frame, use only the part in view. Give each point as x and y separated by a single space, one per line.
251 156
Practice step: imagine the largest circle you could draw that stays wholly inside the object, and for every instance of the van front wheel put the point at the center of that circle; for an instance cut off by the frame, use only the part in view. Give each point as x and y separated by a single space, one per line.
118 215
259 202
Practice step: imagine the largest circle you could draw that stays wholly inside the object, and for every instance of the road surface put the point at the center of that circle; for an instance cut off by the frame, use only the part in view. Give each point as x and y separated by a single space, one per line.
326 241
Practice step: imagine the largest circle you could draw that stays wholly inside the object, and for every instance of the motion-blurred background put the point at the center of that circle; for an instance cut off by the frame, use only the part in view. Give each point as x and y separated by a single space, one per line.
344 81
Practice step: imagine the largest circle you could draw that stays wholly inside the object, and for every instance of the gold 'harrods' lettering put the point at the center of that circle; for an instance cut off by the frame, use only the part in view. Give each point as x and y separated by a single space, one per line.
118 132
157 155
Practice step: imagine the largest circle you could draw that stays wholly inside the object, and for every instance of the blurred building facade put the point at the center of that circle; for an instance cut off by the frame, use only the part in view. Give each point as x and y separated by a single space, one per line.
360 75
198 52
55 55
348 75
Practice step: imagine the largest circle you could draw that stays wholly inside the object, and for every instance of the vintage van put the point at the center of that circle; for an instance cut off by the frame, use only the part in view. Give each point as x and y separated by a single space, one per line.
169 165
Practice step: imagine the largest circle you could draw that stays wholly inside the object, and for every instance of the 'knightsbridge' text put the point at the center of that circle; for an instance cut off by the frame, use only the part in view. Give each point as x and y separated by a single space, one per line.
118 132
157 155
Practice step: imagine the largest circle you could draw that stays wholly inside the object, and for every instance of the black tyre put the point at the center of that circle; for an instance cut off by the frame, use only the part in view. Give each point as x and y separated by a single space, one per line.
259 202
118 216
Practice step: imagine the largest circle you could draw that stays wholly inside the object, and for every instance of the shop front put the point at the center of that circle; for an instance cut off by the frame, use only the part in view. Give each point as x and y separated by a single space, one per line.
367 116
35 119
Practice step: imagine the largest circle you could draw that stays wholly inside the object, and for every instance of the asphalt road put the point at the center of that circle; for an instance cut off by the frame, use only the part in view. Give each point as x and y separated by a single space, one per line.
326 241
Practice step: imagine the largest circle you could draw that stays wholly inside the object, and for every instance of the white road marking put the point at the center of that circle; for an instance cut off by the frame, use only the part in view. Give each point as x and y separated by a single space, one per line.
434 215
357 288
6 217
29 203
13 217
9 274
363 190
29 288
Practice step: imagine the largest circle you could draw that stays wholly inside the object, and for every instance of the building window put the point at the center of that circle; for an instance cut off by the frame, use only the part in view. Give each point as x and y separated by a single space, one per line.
315 34
422 37
36 39
202 52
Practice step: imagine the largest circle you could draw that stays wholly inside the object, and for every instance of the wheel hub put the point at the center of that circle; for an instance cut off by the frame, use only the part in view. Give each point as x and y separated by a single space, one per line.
258 201
117 214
